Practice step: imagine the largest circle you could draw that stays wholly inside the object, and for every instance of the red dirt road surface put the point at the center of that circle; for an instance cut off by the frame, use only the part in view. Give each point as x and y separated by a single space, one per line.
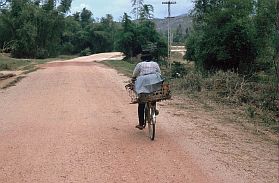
72 122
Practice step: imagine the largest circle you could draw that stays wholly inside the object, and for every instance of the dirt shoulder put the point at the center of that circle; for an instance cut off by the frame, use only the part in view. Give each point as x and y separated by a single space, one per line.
222 144
72 122
18 68
11 79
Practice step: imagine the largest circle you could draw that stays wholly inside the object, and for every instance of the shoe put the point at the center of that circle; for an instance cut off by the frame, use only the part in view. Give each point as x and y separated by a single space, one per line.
156 112
140 127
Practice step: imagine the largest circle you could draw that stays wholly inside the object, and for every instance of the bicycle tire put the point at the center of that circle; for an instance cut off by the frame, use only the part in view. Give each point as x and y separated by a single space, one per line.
152 122
151 129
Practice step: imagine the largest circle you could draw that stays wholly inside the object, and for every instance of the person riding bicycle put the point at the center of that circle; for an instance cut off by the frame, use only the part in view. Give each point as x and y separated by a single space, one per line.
147 78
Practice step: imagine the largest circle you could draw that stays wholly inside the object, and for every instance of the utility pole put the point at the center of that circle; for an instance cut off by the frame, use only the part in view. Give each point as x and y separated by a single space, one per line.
169 3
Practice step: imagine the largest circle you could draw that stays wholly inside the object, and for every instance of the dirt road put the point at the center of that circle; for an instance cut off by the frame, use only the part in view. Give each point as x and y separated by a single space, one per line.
72 122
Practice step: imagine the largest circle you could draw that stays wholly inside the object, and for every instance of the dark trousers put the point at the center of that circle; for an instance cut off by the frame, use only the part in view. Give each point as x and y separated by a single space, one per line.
141 108
141 113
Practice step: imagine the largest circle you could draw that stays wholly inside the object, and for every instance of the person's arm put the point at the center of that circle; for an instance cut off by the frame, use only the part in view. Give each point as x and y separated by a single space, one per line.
158 68
136 71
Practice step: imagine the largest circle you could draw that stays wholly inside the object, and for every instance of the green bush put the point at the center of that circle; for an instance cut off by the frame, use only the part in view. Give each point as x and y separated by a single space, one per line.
257 93
225 84
228 38
42 53
68 48
192 82
4 67
178 70
85 52
235 88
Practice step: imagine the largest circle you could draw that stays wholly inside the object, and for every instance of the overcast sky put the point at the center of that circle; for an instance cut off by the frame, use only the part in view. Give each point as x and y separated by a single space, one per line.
117 8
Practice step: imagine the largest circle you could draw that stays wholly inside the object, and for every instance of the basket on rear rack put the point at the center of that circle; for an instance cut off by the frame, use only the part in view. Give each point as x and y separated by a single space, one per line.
163 94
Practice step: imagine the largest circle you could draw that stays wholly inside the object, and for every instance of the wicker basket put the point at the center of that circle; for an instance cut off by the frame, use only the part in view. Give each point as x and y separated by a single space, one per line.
163 94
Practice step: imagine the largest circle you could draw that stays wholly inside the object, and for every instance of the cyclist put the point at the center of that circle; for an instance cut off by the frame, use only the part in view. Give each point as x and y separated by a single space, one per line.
147 78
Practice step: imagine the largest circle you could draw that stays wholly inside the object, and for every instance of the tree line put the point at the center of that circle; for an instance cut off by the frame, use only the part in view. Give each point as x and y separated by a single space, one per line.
41 29
237 35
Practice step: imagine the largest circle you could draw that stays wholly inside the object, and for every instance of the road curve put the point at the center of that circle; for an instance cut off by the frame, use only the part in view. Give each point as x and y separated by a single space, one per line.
72 122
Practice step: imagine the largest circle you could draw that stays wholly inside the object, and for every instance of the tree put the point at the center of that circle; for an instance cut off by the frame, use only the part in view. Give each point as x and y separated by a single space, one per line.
109 27
137 4
265 34
202 7
70 37
7 33
178 35
277 55
146 12
65 6
49 5
132 39
85 16
40 29
34 28
76 16
127 40
224 35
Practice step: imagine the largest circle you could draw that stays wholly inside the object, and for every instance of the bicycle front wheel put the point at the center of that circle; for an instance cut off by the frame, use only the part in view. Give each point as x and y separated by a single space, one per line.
152 122
151 129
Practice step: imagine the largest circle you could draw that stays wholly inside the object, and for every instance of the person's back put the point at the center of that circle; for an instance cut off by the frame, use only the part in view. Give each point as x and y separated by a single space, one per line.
145 68
147 74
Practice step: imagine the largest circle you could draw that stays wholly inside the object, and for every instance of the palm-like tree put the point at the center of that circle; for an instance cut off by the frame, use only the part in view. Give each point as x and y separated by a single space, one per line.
137 4
146 11
64 5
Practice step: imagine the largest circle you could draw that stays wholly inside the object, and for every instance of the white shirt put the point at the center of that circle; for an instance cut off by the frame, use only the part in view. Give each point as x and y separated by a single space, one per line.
144 68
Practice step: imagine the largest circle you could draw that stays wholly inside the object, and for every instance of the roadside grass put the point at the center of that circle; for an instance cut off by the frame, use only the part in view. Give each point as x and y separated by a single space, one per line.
253 96
246 102
13 64
124 67
26 65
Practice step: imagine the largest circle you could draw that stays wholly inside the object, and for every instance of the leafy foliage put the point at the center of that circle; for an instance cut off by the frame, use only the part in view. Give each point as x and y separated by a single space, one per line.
232 34
134 37
34 29
178 70
256 93
41 29
265 34
146 11
137 4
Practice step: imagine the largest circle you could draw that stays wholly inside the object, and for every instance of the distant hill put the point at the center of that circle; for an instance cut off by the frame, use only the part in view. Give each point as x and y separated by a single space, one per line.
184 20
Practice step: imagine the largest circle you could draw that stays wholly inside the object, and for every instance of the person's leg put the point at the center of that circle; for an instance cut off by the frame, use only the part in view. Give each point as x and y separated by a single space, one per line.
141 113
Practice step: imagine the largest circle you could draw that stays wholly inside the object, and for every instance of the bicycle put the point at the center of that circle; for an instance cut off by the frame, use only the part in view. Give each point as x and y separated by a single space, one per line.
150 100
150 118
